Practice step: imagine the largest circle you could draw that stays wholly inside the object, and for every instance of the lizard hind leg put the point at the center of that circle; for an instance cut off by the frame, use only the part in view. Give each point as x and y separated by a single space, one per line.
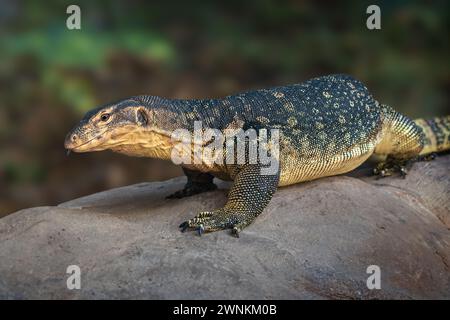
401 140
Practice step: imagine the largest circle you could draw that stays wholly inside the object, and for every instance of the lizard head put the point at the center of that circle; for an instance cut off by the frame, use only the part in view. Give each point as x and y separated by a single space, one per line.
105 126
132 126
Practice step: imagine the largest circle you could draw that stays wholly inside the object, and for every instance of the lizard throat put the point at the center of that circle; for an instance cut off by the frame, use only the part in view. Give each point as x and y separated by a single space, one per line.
141 143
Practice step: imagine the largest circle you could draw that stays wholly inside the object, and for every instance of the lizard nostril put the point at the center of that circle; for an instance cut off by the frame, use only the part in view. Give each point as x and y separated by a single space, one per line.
74 137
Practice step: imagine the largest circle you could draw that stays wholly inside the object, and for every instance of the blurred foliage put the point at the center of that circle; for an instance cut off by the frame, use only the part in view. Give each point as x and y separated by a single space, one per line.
49 76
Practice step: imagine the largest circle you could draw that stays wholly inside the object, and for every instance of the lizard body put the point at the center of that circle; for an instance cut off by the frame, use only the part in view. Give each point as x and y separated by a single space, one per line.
328 126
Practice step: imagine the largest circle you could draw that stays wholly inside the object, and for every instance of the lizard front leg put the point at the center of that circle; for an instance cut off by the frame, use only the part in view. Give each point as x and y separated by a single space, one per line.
197 182
249 195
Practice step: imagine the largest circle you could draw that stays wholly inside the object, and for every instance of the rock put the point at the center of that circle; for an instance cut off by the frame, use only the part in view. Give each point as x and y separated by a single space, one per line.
314 241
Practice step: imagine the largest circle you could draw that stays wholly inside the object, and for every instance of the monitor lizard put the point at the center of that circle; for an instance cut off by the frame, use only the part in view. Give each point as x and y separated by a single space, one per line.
328 125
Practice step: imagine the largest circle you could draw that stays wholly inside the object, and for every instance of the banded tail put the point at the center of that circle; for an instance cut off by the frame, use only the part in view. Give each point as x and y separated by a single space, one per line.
436 132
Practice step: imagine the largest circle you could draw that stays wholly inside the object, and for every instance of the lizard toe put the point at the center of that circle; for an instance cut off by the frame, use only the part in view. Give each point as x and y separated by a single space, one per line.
200 230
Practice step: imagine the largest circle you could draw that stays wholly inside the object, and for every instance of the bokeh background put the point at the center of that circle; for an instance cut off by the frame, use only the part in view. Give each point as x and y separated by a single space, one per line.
50 76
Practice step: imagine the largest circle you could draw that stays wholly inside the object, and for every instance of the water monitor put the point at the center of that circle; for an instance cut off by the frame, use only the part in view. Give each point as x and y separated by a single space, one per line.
328 125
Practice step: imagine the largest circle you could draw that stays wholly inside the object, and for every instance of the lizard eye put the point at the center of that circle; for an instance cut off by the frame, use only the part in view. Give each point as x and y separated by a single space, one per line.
104 117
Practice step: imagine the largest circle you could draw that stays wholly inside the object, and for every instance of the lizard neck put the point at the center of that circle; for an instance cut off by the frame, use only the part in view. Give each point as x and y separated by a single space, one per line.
173 114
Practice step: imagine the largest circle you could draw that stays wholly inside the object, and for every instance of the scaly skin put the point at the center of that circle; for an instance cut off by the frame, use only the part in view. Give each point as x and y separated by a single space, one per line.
328 126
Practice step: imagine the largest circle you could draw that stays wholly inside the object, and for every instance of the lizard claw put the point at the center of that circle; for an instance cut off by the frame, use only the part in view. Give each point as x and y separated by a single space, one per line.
184 226
200 230
403 172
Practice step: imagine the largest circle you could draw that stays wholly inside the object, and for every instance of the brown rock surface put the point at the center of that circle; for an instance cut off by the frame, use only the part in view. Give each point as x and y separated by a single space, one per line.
315 240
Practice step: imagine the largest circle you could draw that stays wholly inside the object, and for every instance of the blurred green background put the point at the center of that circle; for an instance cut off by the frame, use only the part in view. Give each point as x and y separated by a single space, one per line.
50 76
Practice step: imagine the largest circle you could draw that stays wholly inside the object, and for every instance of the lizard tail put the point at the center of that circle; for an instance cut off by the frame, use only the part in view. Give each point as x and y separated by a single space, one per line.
437 134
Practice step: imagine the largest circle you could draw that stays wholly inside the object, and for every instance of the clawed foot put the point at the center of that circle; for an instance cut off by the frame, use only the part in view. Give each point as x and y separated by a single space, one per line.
192 190
220 219
392 166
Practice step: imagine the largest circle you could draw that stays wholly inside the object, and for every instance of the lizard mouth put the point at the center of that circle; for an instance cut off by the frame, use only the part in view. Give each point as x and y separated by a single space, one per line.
78 148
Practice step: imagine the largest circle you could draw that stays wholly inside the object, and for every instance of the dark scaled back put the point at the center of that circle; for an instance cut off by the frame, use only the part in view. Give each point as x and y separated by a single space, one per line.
336 111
